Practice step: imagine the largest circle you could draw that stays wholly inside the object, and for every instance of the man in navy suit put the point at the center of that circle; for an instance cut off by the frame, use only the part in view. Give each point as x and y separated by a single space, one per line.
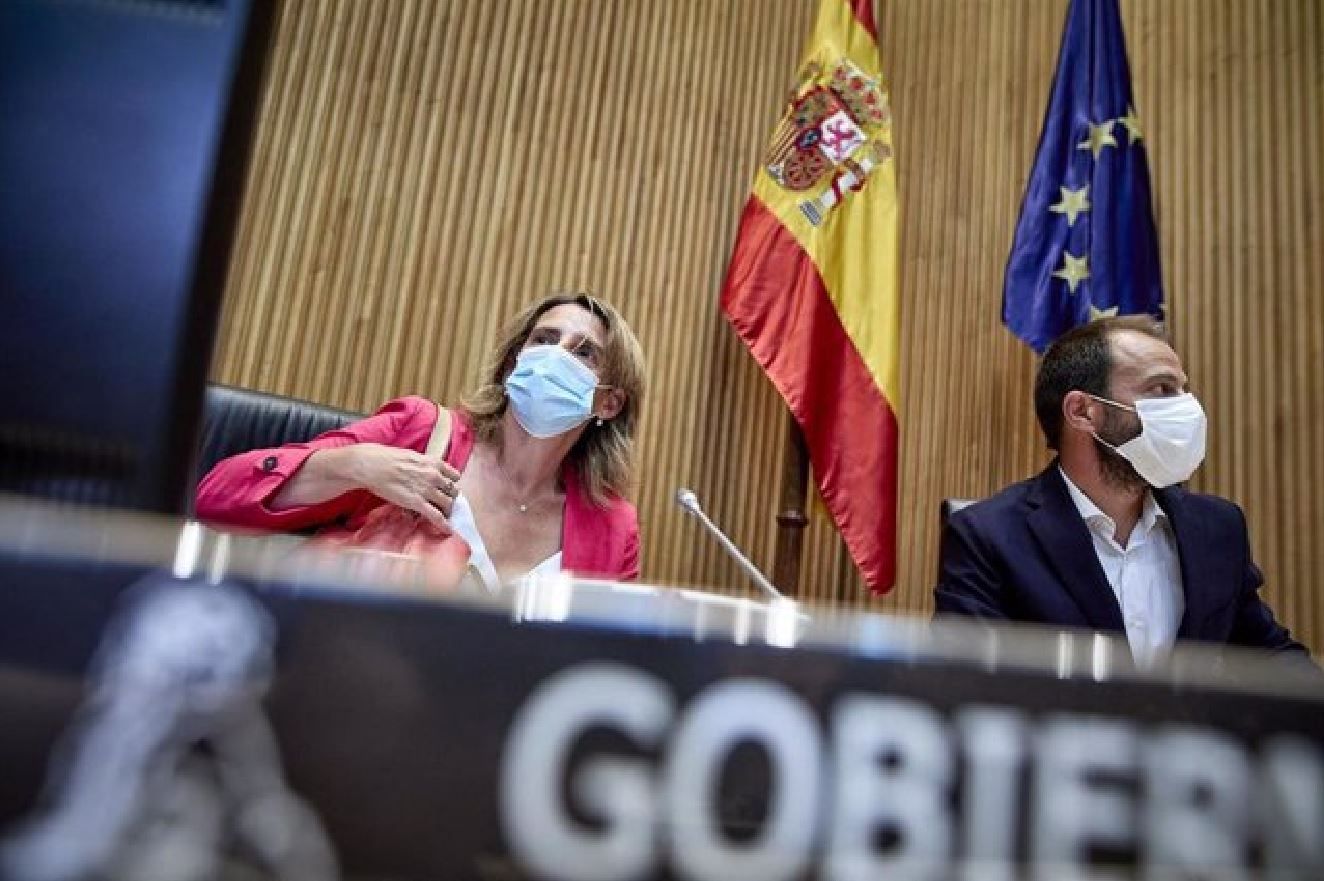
1105 538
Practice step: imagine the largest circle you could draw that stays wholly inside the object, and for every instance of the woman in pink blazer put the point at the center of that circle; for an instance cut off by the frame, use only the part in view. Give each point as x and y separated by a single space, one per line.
531 471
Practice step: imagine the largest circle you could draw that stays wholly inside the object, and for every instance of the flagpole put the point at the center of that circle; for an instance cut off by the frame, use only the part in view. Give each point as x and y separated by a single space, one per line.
791 519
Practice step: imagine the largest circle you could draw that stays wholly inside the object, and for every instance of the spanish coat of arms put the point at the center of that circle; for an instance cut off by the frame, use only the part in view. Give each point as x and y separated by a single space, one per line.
829 140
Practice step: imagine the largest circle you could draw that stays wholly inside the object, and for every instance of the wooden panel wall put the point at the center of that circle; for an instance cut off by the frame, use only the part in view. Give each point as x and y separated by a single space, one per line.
424 167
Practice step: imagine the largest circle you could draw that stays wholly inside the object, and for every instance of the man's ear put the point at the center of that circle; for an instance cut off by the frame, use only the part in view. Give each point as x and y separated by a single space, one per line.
1077 408
610 403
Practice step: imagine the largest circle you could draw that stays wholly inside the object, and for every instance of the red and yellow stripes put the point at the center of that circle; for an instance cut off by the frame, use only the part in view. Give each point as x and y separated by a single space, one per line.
818 307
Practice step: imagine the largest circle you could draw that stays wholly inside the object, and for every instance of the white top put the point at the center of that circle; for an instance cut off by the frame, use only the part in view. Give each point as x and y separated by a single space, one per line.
1145 575
480 562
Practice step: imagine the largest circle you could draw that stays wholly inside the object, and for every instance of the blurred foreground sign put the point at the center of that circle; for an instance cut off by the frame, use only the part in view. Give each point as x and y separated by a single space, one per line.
579 731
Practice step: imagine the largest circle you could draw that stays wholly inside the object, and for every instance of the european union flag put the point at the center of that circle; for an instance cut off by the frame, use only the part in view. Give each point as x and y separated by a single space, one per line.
1085 243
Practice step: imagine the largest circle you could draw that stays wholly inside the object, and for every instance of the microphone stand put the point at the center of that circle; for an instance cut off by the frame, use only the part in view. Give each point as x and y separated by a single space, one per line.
689 502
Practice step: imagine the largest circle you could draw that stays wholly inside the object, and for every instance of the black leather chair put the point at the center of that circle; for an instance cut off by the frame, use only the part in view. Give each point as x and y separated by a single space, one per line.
945 512
236 420
950 507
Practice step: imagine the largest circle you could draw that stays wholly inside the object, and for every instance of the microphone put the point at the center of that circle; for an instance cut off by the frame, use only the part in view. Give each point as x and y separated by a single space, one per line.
689 502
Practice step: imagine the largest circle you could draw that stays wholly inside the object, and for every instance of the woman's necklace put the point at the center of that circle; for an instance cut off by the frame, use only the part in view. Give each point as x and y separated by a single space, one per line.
521 505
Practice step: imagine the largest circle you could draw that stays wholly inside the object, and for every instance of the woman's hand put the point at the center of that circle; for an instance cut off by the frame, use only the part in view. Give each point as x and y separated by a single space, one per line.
403 477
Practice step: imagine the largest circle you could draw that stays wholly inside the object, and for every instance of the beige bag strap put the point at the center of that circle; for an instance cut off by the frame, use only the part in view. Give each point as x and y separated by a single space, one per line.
441 434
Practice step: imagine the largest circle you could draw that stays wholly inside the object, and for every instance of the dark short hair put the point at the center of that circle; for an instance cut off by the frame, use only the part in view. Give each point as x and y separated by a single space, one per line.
1081 360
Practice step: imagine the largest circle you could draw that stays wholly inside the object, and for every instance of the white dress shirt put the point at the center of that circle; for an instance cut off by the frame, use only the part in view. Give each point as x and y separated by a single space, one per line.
480 562
1145 575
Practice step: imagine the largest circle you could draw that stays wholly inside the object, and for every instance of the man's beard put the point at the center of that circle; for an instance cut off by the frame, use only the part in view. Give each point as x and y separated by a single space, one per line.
1117 471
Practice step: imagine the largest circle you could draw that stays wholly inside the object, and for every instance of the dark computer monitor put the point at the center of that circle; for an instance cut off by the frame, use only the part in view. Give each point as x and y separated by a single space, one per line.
125 128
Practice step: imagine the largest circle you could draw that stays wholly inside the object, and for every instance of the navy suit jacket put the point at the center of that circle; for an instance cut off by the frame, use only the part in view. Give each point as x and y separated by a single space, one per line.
1026 555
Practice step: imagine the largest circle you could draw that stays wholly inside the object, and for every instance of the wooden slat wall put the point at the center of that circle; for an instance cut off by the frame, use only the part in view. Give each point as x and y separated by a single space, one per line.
424 167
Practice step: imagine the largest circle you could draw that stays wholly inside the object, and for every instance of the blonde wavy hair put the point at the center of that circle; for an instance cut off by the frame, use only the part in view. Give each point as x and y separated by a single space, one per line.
604 455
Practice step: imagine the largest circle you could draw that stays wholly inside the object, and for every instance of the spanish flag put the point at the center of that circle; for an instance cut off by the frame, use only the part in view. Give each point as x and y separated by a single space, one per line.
812 284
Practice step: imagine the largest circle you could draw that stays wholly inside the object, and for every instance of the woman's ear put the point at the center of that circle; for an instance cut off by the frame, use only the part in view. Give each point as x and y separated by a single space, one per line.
611 401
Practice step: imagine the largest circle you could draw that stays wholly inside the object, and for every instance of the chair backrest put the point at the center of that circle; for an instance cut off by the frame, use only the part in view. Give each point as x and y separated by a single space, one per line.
236 420
945 512
950 507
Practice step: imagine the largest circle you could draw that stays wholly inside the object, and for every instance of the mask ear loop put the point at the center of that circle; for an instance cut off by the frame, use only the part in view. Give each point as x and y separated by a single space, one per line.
1130 408
1095 435
1120 406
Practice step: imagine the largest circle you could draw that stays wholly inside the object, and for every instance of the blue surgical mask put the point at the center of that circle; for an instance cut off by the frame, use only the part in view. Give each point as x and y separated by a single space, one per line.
550 391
